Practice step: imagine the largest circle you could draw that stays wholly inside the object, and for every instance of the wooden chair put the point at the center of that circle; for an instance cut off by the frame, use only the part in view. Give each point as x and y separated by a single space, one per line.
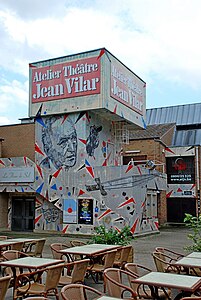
4 285
37 288
165 263
122 257
116 281
96 269
78 272
79 292
57 254
36 248
75 243
143 290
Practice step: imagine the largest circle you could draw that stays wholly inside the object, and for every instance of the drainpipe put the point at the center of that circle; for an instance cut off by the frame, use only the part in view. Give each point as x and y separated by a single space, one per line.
198 178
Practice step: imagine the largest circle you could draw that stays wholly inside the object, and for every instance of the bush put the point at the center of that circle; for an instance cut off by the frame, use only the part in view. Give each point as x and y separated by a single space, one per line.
194 223
112 236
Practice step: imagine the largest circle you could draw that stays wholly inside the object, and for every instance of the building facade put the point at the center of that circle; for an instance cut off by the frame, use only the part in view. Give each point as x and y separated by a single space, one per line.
83 107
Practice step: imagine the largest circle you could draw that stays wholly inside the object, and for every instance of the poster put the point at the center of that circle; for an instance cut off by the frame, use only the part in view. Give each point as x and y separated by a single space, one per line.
180 169
70 211
85 211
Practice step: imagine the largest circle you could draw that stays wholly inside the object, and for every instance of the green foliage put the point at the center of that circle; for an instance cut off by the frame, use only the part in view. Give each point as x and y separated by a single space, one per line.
194 223
112 236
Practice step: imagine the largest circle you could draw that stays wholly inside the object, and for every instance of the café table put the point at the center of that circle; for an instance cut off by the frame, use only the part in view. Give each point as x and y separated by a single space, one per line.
189 263
29 263
89 250
185 284
194 254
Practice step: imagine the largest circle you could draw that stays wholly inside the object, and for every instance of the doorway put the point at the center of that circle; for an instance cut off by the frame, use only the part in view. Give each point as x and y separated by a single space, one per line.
23 214
177 207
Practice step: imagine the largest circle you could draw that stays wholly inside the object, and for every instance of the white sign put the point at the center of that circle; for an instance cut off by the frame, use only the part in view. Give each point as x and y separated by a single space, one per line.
22 174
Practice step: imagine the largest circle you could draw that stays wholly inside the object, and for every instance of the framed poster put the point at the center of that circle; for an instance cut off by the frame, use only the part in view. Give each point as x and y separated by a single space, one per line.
85 211
70 211
180 170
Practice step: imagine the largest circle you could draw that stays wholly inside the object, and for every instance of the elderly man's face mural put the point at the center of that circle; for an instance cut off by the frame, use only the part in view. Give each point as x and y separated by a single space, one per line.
60 142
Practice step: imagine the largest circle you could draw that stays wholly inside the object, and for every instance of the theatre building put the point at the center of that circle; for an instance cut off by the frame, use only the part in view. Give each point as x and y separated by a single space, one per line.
66 171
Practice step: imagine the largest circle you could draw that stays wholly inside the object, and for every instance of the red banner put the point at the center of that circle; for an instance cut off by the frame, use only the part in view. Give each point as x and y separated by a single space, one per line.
66 80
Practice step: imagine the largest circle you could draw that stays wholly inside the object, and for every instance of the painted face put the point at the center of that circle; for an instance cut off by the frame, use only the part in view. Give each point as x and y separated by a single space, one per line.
62 147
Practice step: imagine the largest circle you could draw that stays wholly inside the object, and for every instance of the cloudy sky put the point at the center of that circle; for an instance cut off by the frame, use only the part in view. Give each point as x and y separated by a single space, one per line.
157 39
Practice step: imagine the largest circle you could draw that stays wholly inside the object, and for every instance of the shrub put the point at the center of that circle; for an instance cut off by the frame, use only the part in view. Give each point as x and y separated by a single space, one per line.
112 236
194 223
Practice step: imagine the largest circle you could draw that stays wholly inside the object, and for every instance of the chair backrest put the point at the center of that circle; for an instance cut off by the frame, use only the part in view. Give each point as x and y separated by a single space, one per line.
17 246
36 298
4 284
79 270
109 259
75 243
3 237
56 248
53 276
124 254
113 279
159 261
79 292
170 253
13 254
137 269
39 247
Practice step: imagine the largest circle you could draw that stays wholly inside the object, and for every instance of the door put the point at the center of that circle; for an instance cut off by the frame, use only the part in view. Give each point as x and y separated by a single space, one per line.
23 214
177 207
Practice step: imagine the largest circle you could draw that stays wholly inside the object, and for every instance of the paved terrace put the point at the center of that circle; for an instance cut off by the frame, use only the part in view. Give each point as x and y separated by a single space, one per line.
175 238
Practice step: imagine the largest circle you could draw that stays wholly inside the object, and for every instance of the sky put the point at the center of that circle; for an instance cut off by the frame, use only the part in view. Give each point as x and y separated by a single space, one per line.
159 40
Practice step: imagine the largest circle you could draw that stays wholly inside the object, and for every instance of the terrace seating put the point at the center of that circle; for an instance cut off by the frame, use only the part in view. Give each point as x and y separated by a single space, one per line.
56 251
116 281
171 253
107 260
78 272
143 290
4 284
75 243
36 288
122 258
17 246
79 292
36 248
165 263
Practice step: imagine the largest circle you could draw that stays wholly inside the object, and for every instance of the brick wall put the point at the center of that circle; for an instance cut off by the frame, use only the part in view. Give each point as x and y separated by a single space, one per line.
18 141
4 210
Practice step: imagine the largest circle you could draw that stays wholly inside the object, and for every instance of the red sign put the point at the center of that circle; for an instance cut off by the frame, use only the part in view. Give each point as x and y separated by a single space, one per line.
127 88
66 80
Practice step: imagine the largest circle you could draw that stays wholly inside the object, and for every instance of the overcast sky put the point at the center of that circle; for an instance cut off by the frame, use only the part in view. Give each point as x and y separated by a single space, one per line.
159 40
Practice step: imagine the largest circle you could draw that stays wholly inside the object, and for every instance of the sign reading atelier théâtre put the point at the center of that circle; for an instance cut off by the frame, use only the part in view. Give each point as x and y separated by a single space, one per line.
22 174
126 87
66 80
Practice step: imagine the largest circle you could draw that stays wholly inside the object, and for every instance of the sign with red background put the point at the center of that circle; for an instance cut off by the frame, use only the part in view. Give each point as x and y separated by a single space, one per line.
65 80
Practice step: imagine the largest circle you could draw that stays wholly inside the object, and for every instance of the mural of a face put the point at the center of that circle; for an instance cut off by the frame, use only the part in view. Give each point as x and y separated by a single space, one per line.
59 140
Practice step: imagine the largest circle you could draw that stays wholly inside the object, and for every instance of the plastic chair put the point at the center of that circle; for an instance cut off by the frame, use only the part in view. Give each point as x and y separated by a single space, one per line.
122 259
143 290
96 270
79 292
4 285
36 287
36 248
77 274
116 281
